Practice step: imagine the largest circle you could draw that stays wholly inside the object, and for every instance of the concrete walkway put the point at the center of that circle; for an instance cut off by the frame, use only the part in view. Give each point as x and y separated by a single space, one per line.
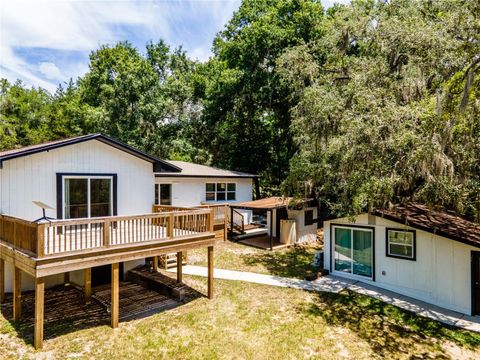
336 284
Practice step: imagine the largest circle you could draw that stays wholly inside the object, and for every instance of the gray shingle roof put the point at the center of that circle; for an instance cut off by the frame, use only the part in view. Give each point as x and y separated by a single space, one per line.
442 223
196 170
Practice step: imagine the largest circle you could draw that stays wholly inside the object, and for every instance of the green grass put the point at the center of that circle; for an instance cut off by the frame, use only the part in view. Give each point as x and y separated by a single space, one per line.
248 321
288 262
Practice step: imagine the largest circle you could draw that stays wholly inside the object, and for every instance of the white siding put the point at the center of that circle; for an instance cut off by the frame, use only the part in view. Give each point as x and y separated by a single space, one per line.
191 191
440 275
34 178
304 233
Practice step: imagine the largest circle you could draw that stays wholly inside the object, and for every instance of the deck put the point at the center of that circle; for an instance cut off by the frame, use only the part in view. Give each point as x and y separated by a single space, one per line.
38 248
67 311
61 246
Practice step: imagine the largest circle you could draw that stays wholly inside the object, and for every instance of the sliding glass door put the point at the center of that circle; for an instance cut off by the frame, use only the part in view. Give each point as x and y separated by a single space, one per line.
87 197
353 250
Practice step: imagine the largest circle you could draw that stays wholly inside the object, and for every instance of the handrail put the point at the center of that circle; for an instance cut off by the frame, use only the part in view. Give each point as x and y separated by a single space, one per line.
58 237
158 208
220 212
239 223
18 232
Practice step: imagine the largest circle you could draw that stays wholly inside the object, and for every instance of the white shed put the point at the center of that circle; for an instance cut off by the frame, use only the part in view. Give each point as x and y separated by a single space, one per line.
412 250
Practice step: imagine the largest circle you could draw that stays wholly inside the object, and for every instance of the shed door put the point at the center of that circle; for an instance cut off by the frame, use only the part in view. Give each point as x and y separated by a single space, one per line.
475 283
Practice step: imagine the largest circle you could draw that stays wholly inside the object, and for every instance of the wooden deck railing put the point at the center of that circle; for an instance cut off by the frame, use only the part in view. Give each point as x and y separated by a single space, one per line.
220 212
19 232
168 208
238 221
59 237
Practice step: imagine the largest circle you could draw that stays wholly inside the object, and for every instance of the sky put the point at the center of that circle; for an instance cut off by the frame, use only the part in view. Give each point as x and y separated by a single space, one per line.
46 42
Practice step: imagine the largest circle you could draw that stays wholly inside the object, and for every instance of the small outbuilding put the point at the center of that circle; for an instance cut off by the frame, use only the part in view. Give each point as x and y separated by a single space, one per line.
261 222
429 255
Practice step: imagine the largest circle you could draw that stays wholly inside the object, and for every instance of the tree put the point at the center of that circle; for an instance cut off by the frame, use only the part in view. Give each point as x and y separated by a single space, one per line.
145 100
388 107
247 105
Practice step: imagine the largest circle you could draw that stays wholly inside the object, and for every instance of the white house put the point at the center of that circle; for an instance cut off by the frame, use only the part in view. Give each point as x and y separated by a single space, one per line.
96 176
427 255
198 184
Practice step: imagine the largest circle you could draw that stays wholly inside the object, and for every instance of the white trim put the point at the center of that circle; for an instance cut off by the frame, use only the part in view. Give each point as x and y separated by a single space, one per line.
159 202
412 245
88 177
351 275
216 192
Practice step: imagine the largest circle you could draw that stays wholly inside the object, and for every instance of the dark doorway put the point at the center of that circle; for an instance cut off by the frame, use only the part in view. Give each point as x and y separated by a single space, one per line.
475 282
102 275
282 214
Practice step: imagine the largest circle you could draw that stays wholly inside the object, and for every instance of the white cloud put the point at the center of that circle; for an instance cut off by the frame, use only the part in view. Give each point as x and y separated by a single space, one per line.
200 54
78 27
329 3
50 70
65 32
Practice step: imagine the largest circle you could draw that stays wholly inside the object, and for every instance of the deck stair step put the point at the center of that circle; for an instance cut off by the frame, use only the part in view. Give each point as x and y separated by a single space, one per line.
169 261
158 282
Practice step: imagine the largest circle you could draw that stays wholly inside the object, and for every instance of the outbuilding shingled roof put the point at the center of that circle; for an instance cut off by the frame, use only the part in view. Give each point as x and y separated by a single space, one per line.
442 223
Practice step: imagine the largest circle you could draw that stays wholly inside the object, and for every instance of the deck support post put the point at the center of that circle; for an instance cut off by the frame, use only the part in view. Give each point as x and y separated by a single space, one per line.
155 263
225 226
2 280
17 294
115 295
231 223
210 272
88 285
271 229
179 266
66 278
39 312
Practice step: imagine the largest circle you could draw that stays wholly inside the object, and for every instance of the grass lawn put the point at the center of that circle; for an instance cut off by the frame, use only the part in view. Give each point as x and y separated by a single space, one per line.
248 321
288 262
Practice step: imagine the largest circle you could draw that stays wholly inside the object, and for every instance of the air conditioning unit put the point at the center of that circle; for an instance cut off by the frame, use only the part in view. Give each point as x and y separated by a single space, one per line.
288 232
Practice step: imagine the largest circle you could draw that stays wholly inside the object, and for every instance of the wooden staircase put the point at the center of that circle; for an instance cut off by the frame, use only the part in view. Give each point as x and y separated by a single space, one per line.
169 261
238 222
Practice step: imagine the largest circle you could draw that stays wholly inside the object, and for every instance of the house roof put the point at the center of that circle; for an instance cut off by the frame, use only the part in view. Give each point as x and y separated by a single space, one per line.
264 204
189 169
442 223
159 165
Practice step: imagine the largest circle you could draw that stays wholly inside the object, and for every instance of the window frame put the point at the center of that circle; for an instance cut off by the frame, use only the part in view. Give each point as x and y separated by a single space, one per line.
225 192
332 250
158 188
414 244
61 177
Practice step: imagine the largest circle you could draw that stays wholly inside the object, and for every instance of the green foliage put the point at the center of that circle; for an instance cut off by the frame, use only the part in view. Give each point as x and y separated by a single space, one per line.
247 105
145 100
366 104
29 116
388 106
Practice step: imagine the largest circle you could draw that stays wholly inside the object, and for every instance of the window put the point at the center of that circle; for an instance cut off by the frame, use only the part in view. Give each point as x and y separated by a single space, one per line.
86 196
163 194
308 220
401 244
220 191
353 250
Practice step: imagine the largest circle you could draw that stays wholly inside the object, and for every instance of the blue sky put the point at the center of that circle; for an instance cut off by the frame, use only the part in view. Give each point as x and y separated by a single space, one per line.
47 42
